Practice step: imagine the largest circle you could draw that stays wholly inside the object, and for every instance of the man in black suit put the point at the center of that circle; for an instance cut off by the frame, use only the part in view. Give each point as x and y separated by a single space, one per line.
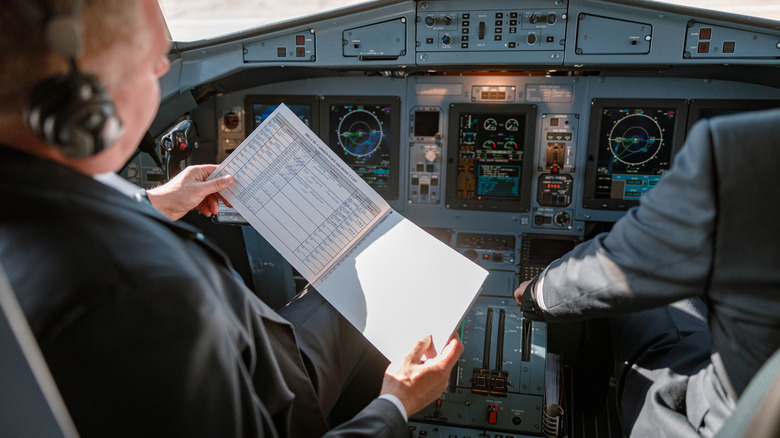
701 236
143 324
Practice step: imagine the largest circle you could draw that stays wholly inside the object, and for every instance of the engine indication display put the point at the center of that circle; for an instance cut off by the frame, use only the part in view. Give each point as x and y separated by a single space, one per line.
490 147
632 143
261 111
364 132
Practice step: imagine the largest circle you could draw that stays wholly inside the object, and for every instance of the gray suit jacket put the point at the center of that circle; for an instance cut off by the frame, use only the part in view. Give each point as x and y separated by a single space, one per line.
144 326
708 229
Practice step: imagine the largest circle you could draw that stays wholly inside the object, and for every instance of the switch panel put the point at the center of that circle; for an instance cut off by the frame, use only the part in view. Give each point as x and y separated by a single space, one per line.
554 190
293 47
231 126
425 164
489 250
558 149
709 41
552 218
475 30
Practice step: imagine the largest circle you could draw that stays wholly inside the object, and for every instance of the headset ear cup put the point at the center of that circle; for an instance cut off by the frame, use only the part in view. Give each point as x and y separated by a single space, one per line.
43 101
74 113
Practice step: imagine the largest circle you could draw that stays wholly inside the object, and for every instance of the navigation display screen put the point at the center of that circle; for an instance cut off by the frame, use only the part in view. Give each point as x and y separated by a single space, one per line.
538 251
633 148
708 108
490 157
364 132
545 251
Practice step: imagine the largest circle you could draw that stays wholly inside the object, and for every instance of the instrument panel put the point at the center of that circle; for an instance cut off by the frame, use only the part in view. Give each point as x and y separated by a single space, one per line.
585 150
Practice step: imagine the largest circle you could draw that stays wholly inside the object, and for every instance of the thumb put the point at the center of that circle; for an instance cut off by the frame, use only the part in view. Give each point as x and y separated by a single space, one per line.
420 348
450 354
219 184
453 350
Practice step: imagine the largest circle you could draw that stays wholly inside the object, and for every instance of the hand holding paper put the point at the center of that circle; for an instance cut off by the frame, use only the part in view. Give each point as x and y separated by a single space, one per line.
430 376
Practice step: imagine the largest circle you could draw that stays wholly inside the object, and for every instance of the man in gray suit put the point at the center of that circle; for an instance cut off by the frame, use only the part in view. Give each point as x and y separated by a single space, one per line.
142 322
703 236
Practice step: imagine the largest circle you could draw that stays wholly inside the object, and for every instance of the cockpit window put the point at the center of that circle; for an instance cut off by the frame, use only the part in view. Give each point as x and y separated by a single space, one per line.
768 9
192 20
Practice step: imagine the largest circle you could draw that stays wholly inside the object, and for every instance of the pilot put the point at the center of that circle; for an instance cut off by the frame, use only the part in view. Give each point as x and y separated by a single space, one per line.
700 236
144 326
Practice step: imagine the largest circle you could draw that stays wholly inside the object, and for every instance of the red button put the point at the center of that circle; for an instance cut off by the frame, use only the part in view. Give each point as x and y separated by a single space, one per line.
705 33
299 40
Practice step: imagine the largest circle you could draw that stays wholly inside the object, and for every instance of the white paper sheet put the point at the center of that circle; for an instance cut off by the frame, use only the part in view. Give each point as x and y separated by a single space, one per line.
401 283
389 278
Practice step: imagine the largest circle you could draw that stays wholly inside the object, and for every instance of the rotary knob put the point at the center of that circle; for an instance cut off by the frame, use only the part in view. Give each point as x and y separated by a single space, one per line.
562 219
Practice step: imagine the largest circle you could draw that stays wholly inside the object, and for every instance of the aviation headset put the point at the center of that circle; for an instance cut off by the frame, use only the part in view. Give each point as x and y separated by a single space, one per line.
71 111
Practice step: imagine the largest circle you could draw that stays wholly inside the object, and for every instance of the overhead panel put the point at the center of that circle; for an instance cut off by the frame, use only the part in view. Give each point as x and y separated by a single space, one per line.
380 41
499 32
610 36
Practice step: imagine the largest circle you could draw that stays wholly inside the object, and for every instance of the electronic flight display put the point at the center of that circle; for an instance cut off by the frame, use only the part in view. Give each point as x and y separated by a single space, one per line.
260 107
538 251
364 131
708 108
490 148
630 148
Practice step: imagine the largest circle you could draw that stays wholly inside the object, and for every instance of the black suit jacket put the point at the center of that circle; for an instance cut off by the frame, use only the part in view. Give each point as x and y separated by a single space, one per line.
144 326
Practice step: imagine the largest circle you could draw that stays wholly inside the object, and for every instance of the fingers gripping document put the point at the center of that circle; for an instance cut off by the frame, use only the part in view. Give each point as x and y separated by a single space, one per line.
393 281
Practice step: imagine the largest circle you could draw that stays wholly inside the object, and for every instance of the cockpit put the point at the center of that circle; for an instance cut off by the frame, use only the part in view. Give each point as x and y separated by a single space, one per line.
512 131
